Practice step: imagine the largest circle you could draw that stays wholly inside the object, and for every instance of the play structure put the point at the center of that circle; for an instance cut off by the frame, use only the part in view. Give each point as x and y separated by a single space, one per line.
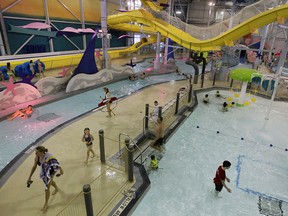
122 21
253 77
244 75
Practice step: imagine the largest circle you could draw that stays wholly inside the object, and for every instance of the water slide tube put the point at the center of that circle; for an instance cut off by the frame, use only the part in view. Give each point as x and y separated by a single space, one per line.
123 20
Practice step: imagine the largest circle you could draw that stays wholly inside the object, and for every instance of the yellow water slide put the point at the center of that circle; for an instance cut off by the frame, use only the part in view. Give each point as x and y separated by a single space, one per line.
135 47
74 59
155 7
142 21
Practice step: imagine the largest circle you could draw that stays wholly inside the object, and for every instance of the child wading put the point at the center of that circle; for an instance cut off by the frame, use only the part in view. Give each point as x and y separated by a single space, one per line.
153 163
220 178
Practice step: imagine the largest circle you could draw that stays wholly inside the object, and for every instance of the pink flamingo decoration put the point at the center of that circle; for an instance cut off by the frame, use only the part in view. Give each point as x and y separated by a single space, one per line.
10 86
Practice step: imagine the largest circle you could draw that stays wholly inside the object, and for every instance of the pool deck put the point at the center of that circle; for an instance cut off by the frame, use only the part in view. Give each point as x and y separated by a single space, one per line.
108 180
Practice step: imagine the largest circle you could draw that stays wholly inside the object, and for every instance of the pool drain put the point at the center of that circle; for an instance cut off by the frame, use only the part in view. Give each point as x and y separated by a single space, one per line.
270 207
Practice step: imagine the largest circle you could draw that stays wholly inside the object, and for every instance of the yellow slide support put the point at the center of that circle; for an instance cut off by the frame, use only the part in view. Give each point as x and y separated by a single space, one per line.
123 20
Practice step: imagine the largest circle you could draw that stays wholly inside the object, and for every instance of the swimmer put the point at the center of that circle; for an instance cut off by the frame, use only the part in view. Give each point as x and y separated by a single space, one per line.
154 114
133 77
142 75
153 163
219 95
10 72
31 66
1 76
22 113
40 68
159 133
232 104
182 90
225 107
29 110
186 76
206 99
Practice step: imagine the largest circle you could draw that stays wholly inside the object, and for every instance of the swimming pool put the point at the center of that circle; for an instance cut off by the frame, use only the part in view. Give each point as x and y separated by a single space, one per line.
16 135
183 185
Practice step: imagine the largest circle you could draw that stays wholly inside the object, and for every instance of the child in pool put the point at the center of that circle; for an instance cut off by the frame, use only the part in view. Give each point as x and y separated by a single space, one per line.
22 113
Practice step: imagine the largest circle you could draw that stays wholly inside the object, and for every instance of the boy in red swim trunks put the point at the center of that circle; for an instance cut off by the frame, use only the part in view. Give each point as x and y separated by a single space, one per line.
220 177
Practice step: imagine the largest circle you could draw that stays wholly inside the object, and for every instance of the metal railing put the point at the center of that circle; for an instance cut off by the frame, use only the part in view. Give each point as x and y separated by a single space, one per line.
134 144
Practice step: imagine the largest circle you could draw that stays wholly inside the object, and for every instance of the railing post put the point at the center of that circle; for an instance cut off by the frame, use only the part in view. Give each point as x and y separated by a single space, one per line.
146 116
203 72
160 111
88 200
190 93
129 149
101 146
231 83
177 103
202 80
214 78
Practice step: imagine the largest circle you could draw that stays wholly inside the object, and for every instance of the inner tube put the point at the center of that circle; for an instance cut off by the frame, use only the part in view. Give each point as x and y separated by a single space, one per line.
102 103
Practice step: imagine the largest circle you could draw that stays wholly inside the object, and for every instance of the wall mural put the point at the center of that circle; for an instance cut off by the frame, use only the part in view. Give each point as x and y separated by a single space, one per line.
57 10
15 94
85 75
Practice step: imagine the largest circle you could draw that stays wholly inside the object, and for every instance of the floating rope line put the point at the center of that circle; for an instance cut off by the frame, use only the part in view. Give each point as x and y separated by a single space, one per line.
237 137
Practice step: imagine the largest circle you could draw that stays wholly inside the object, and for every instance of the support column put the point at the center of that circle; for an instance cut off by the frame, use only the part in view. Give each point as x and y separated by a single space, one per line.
242 94
166 50
278 74
232 14
4 34
167 39
83 23
46 11
157 59
2 47
263 39
274 33
105 43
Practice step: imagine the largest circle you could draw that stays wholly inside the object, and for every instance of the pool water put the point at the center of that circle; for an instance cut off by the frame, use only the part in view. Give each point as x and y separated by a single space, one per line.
184 183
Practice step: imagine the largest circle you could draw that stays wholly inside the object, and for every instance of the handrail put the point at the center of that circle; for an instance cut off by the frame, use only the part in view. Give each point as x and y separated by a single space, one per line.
141 153
144 118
